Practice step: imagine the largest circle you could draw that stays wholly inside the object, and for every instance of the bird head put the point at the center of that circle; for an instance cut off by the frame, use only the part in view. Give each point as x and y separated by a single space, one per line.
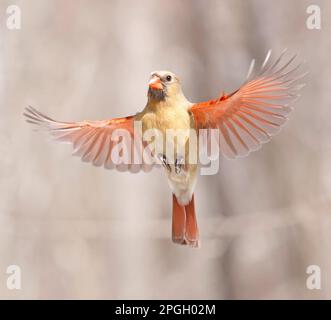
162 85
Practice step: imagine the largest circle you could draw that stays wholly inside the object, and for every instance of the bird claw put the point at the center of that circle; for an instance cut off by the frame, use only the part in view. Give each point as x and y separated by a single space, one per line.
164 161
179 164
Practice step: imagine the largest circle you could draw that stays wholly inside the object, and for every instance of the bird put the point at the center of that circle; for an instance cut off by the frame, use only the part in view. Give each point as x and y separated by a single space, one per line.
244 120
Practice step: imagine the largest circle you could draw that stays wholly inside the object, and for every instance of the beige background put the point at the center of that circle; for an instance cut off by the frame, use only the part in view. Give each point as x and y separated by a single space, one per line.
78 231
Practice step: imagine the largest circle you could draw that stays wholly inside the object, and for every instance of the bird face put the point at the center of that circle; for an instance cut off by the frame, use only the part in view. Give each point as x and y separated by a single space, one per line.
163 84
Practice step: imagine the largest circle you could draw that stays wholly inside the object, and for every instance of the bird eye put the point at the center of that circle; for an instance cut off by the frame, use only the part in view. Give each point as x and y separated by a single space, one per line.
169 78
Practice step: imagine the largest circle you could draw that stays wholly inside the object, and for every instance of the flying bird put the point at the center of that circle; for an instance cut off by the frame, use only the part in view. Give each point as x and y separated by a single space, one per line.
245 119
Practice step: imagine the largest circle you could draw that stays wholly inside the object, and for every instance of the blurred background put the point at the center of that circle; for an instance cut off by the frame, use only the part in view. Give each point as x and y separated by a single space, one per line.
77 231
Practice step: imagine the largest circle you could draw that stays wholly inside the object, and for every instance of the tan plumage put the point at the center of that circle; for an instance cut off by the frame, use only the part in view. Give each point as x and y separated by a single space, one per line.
246 119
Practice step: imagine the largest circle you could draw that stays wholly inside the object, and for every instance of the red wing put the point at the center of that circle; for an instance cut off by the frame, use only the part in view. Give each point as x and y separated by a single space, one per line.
251 115
95 141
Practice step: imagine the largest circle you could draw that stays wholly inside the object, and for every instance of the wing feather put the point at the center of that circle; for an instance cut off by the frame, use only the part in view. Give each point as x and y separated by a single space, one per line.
250 116
91 140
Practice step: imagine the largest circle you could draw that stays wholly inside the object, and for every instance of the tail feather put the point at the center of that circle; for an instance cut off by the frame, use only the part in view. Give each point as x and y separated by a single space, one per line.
178 222
184 224
191 230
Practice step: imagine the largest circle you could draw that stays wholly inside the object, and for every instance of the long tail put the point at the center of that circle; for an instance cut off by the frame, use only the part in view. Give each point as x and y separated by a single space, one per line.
184 224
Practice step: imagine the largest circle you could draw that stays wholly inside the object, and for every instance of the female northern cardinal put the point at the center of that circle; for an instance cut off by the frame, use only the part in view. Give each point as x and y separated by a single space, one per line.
245 118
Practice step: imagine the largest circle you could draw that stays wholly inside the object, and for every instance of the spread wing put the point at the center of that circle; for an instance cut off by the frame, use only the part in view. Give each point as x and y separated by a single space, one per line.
108 143
255 112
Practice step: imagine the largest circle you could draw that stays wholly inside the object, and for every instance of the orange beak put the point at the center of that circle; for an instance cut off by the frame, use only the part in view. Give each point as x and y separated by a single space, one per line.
155 84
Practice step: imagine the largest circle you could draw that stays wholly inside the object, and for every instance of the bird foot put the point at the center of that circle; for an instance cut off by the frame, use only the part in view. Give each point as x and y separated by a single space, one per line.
179 165
164 162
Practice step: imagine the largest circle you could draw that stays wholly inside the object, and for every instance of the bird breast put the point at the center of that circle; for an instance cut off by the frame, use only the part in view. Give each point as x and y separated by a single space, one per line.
166 117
